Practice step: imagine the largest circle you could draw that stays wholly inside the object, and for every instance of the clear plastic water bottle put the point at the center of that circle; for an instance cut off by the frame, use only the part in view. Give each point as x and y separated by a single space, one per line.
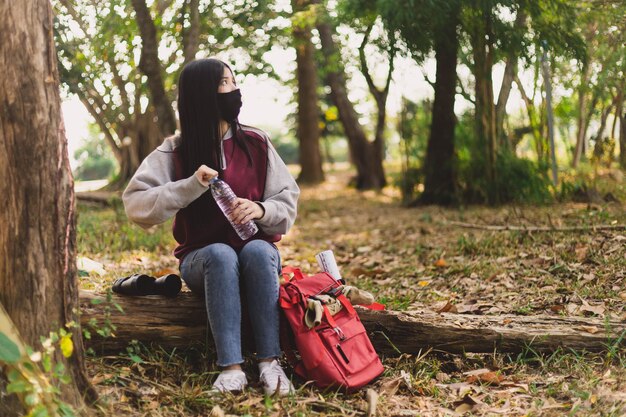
225 199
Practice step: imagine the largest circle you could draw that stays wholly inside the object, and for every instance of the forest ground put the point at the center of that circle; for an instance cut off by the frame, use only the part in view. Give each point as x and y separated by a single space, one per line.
409 258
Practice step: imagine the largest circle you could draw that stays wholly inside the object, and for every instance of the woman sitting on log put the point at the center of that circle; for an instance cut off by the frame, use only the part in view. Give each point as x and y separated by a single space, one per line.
214 261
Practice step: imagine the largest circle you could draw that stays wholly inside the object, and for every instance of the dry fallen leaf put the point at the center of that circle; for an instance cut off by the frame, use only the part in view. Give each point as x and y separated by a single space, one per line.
491 378
464 405
372 401
391 386
447 308
440 263
216 411
557 308
165 271
589 329
589 310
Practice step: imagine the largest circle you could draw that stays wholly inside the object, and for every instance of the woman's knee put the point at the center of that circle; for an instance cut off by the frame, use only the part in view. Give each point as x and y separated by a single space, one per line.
256 249
218 254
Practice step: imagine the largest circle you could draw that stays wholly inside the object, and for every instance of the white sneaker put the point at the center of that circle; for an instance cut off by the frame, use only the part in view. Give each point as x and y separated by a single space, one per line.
274 380
230 381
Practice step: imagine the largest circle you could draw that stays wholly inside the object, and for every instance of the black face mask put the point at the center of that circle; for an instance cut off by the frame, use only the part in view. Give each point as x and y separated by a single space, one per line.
229 104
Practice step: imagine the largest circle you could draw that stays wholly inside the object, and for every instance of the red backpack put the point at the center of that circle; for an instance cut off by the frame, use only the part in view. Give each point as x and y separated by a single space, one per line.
336 353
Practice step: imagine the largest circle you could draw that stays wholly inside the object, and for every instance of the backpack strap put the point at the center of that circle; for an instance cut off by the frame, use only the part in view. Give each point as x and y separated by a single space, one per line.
346 304
288 347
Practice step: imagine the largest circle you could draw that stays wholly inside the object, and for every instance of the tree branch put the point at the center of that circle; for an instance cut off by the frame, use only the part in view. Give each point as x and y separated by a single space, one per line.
536 228
100 120
150 65
364 68
467 96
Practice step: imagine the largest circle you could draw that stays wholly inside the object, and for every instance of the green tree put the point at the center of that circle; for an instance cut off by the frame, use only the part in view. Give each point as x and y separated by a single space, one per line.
122 60
37 249
365 155
362 17
600 86
308 130
427 26
494 36
94 158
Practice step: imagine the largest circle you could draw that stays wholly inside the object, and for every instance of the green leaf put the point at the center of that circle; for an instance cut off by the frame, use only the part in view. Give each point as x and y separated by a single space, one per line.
66 411
39 411
136 358
96 301
17 386
31 399
46 362
9 352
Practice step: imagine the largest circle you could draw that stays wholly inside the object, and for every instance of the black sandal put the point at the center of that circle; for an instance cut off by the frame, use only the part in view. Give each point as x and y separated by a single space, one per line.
136 284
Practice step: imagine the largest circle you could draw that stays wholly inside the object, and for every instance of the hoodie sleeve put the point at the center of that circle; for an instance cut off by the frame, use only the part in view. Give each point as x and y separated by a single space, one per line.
153 196
280 199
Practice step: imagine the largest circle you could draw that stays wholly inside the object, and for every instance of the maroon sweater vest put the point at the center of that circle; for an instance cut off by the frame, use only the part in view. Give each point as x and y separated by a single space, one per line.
247 181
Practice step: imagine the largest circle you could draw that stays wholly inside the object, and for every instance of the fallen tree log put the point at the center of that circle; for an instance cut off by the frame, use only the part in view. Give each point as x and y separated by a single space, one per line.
104 198
181 322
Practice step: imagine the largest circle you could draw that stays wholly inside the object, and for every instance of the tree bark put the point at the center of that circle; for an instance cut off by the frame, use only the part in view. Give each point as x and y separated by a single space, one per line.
191 36
150 65
622 140
370 171
308 110
182 322
380 95
485 111
439 166
510 71
38 279
582 115
535 125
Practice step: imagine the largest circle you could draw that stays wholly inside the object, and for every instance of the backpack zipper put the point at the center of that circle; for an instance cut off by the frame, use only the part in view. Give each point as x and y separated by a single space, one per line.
342 353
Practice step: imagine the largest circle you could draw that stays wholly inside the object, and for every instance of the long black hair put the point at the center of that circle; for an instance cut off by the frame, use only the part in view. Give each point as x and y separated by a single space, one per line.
200 116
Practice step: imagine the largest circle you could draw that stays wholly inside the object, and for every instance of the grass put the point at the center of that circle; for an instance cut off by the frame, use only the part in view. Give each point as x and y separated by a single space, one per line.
392 251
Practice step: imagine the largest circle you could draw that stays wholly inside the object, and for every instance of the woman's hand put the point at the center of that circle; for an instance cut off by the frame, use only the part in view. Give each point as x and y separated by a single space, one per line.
246 210
204 174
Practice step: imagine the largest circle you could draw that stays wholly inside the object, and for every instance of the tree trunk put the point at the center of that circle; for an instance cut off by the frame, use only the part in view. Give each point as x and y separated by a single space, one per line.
191 35
38 279
149 64
380 95
582 115
439 166
369 167
622 140
510 71
308 111
547 82
182 321
535 125
485 111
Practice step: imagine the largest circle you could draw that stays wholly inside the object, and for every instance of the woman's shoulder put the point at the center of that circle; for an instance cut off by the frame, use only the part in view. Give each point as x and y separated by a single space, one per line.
256 133
169 144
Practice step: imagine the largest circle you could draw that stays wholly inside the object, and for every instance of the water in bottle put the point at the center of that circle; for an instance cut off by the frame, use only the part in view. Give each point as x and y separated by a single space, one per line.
225 199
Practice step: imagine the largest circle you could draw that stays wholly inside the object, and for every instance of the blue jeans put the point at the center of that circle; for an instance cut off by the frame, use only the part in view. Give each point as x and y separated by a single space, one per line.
216 271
